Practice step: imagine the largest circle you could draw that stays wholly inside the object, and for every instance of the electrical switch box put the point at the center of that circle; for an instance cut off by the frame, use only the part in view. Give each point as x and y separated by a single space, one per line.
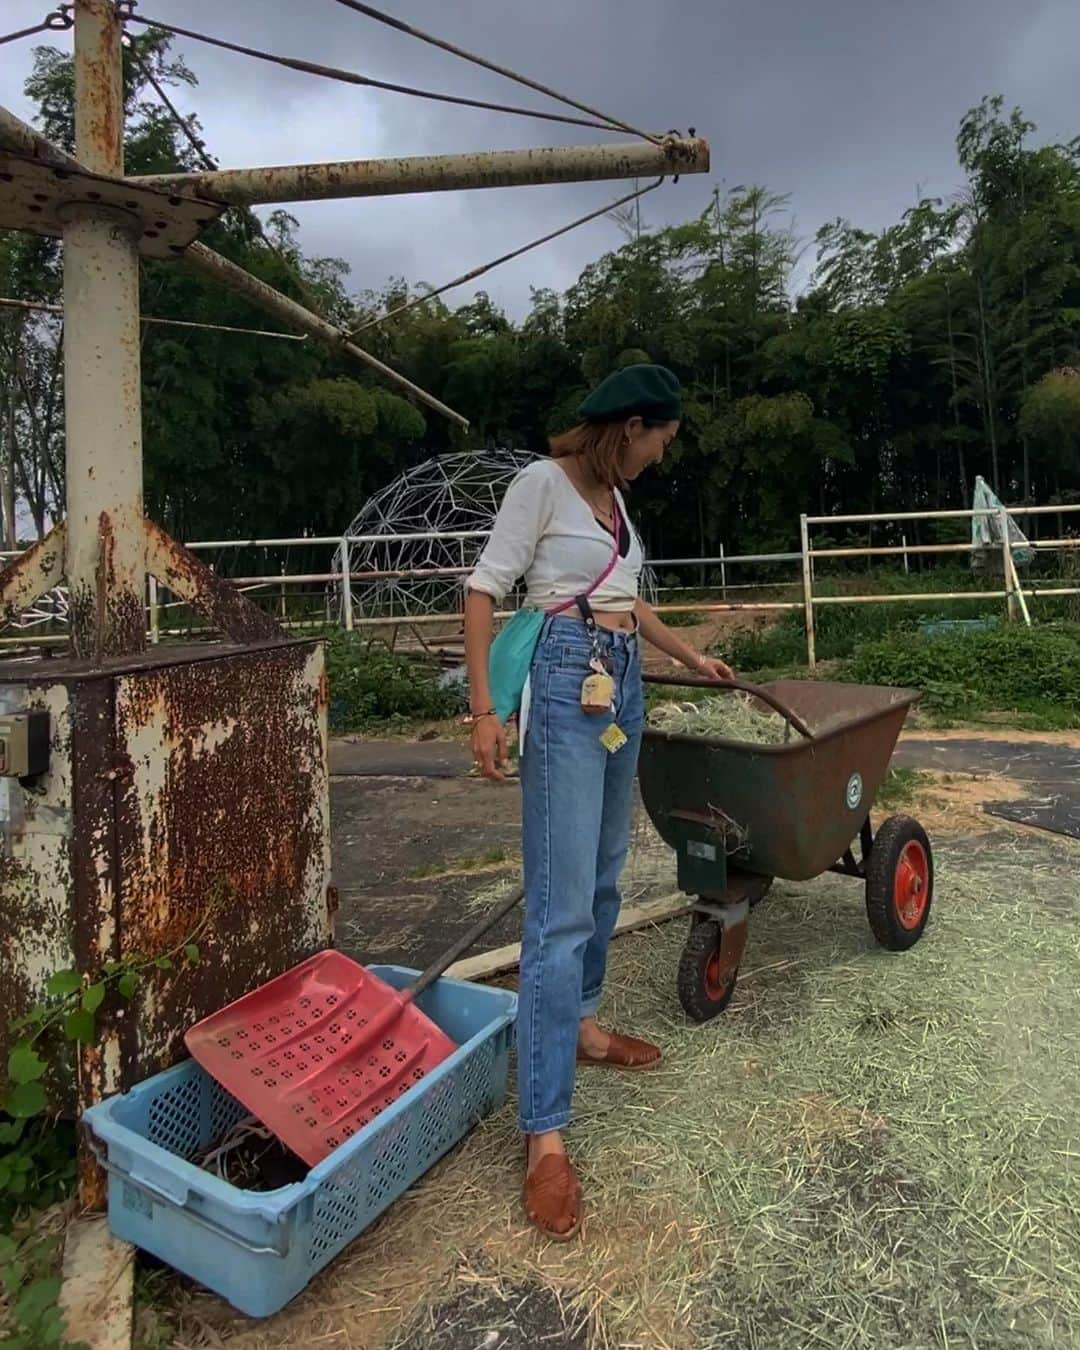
24 743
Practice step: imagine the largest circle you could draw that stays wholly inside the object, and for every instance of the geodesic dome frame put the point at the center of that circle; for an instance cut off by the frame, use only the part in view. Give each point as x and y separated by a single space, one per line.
432 503
447 495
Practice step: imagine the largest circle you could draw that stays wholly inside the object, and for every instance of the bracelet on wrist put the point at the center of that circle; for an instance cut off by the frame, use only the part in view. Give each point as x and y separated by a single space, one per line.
488 712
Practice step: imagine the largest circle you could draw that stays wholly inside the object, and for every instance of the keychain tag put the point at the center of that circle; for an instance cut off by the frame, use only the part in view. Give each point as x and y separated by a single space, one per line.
597 692
613 738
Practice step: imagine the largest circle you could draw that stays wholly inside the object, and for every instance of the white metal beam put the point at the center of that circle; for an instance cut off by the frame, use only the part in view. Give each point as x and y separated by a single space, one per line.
440 173
17 135
225 273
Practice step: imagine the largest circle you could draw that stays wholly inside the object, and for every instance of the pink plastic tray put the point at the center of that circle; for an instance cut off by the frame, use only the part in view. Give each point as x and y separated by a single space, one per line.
318 1052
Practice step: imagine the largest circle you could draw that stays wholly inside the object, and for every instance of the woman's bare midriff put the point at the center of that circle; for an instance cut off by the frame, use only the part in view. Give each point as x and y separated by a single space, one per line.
616 620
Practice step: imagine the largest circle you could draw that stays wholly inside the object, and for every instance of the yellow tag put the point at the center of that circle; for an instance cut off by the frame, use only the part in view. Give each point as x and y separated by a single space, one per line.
614 738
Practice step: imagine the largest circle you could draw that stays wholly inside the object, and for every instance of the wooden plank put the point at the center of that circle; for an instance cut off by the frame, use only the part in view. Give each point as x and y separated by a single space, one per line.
98 1285
501 959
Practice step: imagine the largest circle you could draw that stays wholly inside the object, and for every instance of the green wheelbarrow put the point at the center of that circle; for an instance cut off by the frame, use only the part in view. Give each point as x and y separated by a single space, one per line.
739 814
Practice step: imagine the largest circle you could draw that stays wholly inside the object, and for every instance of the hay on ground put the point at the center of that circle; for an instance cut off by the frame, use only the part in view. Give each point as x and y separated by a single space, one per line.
867 1150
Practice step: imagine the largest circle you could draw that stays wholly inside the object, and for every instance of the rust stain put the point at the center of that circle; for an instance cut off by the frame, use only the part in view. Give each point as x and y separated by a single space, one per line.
221 789
95 919
99 98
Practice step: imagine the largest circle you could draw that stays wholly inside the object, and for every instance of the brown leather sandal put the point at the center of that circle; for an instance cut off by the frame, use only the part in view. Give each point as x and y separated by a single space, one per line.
552 1196
624 1052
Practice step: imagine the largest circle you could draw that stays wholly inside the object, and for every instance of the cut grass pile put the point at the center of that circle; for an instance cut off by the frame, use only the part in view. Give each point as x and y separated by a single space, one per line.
901 787
732 717
866 1150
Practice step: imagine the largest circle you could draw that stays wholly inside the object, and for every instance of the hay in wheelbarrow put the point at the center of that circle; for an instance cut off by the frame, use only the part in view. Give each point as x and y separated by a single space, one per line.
731 717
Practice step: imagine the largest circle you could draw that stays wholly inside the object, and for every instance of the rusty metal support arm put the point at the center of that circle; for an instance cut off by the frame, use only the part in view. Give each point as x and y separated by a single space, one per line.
20 136
31 574
231 612
216 268
440 173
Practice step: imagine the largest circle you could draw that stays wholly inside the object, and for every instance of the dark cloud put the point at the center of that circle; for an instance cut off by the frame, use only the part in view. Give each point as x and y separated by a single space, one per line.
849 106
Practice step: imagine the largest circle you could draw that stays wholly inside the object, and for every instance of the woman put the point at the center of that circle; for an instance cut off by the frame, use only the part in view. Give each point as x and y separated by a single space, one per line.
563 527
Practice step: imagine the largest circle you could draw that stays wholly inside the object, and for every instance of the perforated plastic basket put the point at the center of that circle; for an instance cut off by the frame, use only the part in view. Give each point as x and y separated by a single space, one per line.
259 1249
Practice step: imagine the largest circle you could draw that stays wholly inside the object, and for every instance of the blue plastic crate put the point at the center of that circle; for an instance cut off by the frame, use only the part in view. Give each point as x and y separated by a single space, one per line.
259 1249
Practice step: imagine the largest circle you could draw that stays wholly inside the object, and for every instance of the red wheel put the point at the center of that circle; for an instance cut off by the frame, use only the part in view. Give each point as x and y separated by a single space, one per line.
705 980
911 884
899 883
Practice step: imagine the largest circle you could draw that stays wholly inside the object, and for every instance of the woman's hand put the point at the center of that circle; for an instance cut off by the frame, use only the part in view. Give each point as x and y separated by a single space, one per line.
713 668
489 747
654 630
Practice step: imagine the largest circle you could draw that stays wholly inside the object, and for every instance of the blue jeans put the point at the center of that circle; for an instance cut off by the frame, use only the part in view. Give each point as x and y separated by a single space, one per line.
576 807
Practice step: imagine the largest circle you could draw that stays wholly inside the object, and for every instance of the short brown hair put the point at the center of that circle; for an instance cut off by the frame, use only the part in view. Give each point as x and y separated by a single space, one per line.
599 444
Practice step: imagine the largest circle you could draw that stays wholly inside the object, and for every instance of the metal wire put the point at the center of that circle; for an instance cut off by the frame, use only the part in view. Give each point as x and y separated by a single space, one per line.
506 257
9 302
207 160
56 22
251 220
399 24
366 81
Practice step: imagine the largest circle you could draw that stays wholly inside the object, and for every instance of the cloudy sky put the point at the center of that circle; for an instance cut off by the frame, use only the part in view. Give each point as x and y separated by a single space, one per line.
849 106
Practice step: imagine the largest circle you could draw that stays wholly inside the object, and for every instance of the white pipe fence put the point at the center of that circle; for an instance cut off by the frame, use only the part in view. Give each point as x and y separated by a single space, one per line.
347 608
1014 594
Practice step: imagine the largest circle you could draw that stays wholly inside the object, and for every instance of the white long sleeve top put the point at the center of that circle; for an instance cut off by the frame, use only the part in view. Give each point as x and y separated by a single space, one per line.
546 532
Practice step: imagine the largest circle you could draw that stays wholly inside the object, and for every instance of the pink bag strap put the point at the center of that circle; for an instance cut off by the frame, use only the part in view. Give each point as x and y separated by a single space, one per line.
617 521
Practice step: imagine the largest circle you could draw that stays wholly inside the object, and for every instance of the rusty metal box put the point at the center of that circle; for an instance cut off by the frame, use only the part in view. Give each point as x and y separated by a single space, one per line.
186 797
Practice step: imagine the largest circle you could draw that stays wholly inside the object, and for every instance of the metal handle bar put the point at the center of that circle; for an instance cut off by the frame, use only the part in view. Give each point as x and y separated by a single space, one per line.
702 682
442 963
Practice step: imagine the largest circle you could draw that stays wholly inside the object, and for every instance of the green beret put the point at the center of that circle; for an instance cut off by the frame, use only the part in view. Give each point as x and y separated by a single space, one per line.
652 392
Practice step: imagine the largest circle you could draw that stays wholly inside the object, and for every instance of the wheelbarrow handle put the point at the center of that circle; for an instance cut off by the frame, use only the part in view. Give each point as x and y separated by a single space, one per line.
703 682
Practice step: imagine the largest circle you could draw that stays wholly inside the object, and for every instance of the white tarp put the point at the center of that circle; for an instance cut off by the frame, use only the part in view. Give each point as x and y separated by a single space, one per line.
986 530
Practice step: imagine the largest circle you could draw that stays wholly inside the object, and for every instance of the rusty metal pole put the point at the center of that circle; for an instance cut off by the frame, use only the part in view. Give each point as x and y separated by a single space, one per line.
7 473
106 552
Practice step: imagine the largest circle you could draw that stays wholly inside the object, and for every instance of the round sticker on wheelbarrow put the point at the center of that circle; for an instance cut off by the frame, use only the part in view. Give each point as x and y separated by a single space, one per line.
854 791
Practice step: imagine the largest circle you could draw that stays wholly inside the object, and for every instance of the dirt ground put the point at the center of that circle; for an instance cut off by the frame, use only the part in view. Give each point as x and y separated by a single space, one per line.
703 636
408 854
726 1188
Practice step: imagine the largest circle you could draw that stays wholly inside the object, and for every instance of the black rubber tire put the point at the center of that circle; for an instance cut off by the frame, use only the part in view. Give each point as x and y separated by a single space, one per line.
892 838
693 983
